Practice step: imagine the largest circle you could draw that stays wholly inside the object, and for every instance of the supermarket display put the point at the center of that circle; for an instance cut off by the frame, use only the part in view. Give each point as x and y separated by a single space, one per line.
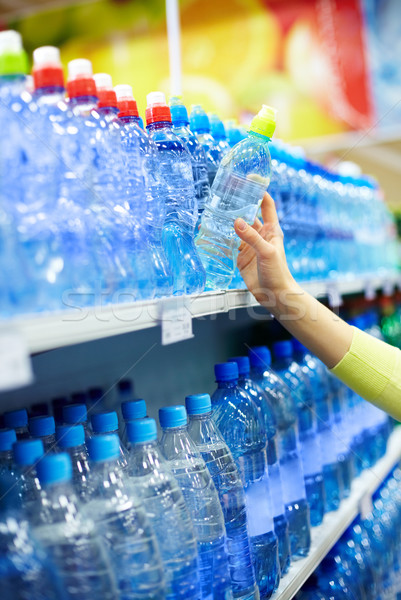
227 480
200 126
202 501
166 510
237 417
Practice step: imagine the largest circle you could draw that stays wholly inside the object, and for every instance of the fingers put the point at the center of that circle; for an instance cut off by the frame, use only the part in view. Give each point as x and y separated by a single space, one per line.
269 213
252 238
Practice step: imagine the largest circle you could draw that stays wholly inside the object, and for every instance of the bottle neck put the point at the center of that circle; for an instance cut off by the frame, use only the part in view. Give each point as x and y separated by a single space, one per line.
259 135
49 94
159 125
227 384
83 103
204 417
130 119
107 110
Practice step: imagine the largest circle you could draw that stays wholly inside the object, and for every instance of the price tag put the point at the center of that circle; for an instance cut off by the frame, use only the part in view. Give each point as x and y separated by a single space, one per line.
15 362
365 505
176 321
370 292
333 295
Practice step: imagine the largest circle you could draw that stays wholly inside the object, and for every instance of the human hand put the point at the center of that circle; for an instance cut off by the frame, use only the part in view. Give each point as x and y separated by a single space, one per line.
261 259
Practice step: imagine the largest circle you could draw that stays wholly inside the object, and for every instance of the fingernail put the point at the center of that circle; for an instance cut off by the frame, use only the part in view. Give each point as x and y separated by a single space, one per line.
241 224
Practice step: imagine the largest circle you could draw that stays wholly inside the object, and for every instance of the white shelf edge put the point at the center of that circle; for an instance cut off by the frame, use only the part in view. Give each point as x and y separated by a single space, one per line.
54 330
335 523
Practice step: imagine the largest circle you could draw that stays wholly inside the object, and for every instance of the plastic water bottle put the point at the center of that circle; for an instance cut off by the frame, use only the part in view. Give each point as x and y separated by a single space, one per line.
237 191
240 424
199 123
44 428
26 454
266 413
107 422
202 501
235 133
7 439
121 522
131 410
308 438
156 190
332 582
69 536
294 493
17 420
179 116
74 414
166 510
218 132
227 480
182 207
71 440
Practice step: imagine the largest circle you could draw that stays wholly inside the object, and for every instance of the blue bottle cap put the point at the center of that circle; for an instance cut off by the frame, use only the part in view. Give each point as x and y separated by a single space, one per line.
69 436
199 121
179 114
172 416
79 398
283 349
27 452
14 419
54 468
217 128
133 409
57 405
298 347
141 430
226 371
125 386
104 422
7 439
198 404
95 394
260 357
243 363
75 413
104 447
41 426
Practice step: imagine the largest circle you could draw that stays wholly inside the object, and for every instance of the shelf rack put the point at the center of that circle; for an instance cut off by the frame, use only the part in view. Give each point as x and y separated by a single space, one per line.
335 523
48 331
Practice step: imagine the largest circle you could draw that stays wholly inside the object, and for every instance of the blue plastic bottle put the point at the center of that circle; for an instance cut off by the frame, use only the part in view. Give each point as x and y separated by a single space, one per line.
308 438
202 501
26 454
7 439
69 536
166 510
179 116
200 126
235 133
181 205
218 132
283 405
267 415
227 480
17 420
156 191
107 422
238 419
44 428
237 191
122 524
71 440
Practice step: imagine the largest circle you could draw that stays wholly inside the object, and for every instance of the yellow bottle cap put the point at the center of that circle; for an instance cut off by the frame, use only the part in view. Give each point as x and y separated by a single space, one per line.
265 121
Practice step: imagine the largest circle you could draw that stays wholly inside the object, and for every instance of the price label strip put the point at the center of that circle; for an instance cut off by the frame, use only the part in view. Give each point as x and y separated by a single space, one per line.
176 321
15 362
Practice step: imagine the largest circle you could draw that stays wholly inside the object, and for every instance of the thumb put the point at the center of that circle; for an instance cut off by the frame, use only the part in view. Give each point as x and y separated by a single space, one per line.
252 238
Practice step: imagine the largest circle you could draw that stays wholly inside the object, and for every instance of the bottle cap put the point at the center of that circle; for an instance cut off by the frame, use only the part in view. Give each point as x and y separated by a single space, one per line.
126 102
172 416
226 371
104 422
69 436
125 386
198 404
42 426
198 120
95 394
179 113
7 439
133 409
13 58
283 349
15 419
157 110
27 452
217 128
265 121
80 79
104 447
105 92
75 413
54 468
47 68
260 357
141 430
243 363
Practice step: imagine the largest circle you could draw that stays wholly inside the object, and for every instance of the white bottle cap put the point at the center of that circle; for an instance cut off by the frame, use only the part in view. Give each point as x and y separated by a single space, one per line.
155 99
103 81
79 68
10 41
124 92
45 56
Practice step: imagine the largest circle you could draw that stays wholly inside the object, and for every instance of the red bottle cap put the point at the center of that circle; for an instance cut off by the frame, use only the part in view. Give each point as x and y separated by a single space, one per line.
157 109
47 69
80 79
126 102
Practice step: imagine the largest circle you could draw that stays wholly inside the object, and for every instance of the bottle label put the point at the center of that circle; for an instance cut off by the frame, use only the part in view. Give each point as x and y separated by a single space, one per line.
258 507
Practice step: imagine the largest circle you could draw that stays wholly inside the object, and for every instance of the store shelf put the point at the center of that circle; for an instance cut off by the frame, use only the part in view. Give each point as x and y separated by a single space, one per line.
334 524
54 330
